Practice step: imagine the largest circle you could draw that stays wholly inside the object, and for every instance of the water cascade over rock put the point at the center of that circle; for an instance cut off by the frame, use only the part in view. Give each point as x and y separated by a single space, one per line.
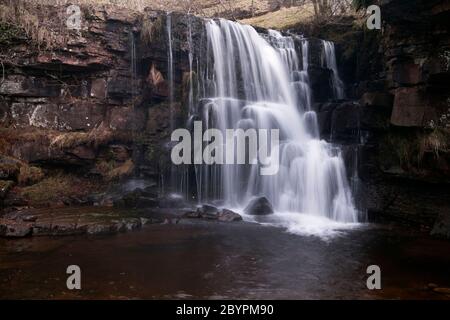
329 61
258 81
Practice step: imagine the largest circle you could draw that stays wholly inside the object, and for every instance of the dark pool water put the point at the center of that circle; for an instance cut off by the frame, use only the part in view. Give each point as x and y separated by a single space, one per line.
196 259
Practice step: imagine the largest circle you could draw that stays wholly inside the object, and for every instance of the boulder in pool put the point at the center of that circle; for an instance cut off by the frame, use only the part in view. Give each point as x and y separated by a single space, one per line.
259 207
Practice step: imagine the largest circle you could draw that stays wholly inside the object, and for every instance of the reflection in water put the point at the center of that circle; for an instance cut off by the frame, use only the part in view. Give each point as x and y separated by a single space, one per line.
215 260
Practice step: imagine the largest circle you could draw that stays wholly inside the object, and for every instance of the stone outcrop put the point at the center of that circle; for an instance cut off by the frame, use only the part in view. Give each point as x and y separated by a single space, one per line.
96 104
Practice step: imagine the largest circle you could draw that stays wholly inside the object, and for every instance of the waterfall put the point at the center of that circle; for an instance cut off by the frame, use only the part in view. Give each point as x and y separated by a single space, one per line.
176 173
329 61
299 76
170 67
257 82
133 66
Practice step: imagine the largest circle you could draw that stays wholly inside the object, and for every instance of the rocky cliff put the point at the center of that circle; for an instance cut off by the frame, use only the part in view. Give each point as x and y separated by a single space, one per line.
81 110
394 121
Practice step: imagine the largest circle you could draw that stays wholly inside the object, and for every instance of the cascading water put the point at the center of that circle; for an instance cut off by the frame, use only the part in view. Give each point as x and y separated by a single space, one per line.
329 61
253 82
298 73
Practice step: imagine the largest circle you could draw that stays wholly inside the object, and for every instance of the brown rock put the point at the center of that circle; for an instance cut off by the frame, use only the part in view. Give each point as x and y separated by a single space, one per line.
9 168
228 216
98 88
259 206
377 99
442 290
409 108
407 74
121 118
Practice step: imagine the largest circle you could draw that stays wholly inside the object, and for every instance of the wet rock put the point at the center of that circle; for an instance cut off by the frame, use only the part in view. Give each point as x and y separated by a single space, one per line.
192 215
259 207
145 202
320 80
67 222
432 285
137 199
171 201
102 229
324 116
441 227
377 99
209 212
207 209
228 216
171 221
14 229
442 290
345 120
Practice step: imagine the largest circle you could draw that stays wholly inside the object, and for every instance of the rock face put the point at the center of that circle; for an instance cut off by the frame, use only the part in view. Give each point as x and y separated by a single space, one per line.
95 104
259 207
397 111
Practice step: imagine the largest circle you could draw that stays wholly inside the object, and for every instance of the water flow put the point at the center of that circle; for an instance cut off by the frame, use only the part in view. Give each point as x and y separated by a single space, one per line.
170 67
175 176
250 85
329 61
133 67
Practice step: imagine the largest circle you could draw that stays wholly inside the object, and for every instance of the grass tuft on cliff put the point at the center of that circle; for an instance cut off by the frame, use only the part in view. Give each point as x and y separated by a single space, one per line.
95 138
283 19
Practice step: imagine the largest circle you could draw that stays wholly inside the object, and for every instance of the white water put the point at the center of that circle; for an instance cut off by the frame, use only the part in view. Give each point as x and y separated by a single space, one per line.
255 82
329 61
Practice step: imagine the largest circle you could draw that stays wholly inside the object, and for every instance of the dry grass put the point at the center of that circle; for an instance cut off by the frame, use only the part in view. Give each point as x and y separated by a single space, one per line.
29 175
123 171
9 166
114 171
436 142
99 136
35 25
150 29
284 18
207 8
57 187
